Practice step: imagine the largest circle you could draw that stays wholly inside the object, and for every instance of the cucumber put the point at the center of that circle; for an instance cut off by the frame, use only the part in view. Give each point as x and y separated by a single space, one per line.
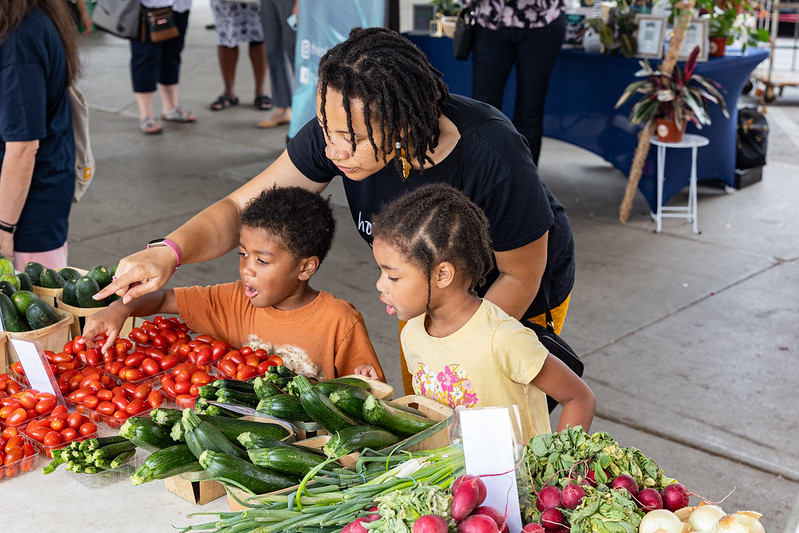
25 282
250 399
12 320
233 384
320 408
243 474
145 433
357 438
329 385
100 274
51 279
284 406
286 459
22 299
202 436
386 416
69 294
34 270
85 288
40 315
165 463
7 288
69 274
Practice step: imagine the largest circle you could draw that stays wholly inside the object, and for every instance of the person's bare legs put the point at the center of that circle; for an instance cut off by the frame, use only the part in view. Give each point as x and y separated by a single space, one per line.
228 58
147 121
259 66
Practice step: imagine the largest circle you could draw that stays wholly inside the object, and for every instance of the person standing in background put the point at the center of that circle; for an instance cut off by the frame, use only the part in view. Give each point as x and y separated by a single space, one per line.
158 65
81 14
236 23
280 41
529 35
38 61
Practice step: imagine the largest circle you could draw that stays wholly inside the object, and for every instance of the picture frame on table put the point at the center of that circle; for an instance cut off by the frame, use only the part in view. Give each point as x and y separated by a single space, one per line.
650 35
696 34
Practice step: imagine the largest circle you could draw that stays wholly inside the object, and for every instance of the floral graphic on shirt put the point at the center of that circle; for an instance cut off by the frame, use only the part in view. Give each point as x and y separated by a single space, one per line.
450 386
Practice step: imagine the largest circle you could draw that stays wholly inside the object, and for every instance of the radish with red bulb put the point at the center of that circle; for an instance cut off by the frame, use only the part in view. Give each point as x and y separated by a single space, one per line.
626 481
590 478
571 495
373 515
649 499
468 492
495 515
430 523
675 496
356 527
533 528
478 523
548 497
552 519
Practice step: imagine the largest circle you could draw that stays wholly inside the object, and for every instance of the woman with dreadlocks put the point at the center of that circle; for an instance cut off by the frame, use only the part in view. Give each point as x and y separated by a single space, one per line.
386 122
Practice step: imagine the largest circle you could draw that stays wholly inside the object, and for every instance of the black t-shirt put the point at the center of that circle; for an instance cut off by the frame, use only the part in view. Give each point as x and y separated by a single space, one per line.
497 173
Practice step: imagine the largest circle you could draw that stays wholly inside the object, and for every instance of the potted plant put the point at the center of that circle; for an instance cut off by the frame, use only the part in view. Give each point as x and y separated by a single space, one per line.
729 21
673 100
617 31
446 14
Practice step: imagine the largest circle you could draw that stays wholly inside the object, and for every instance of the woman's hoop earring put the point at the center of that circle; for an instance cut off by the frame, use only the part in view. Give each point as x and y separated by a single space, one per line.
406 166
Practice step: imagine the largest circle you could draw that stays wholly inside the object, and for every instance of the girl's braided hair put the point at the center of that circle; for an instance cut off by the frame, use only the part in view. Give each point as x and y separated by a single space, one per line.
397 85
436 223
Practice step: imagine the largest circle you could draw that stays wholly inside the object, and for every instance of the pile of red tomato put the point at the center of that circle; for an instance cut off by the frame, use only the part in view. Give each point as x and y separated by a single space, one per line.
60 428
25 405
78 383
183 382
9 386
246 363
17 454
115 405
161 332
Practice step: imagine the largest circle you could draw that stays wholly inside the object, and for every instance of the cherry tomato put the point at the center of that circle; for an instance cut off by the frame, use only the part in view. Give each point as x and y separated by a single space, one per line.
139 335
168 384
53 438
150 367
104 395
134 359
202 356
132 374
246 372
169 361
120 348
57 424
155 398
106 408
12 457
120 402
121 415
182 387
9 432
14 442
87 428
59 410
227 367
142 391
136 406
17 417
261 354
90 402
246 350
75 420
69 434
262 367
27 399
275 360
185 401
91 357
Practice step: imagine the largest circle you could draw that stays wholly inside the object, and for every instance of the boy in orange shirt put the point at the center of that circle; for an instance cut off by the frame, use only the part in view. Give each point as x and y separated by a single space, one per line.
285 234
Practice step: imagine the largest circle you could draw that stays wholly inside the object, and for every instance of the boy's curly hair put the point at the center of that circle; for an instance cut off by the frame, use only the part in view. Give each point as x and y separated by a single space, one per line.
397 85
302 219
436 223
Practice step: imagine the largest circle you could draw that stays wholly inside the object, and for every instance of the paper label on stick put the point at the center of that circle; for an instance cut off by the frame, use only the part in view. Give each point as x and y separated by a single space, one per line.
37 370
488 447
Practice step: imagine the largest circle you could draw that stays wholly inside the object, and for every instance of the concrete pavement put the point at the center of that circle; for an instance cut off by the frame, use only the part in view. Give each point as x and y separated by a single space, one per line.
690 341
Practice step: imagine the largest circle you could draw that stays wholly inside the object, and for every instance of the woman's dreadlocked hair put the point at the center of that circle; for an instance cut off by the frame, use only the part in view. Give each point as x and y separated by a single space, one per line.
436 223
395 82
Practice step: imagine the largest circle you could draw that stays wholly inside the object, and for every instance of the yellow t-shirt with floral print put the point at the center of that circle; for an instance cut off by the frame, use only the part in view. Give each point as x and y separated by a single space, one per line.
488 362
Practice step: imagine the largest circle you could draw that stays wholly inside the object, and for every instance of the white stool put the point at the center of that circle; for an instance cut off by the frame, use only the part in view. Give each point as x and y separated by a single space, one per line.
690 211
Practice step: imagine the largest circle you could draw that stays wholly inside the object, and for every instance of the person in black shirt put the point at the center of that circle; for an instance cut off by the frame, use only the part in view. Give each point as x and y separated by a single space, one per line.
386 123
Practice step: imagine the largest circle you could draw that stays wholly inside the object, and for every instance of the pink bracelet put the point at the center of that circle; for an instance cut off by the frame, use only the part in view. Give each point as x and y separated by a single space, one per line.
171 245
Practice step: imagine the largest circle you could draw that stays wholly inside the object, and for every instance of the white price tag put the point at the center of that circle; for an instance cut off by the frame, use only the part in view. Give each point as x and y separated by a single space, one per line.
37 370
488 436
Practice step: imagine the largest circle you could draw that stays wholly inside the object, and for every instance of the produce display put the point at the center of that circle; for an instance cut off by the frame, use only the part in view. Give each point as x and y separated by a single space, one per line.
21 407
24 311
59 429
17 454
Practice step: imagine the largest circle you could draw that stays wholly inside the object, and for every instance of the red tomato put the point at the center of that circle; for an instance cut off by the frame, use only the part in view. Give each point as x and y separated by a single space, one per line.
185 401
27 399
155 398
91 357
106 408
139 335
246 350
121 415
261 354
9 432
142 391
90 402
87 428
170 336
207 339
275 360
182 375
237 356
12 457
201 378
182 387
136 406
69 434
45 405
184 349
168 384
252 359
61 357
59 410
18 416
201 356
154 353
53 438
15 441
183 366
169 361
227 367
150 367
132 374
78 344
57 423
75 420
246 372
120 349
120 402
104 395
263 367
159 341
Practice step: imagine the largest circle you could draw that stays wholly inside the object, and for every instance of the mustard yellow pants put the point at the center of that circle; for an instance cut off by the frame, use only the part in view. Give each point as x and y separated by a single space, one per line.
558 318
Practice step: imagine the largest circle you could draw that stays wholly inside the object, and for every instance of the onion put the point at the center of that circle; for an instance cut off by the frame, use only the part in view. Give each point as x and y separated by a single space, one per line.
738 523
660 521
704 518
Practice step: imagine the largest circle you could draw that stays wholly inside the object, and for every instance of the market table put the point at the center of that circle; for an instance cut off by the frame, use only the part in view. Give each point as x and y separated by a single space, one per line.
579 109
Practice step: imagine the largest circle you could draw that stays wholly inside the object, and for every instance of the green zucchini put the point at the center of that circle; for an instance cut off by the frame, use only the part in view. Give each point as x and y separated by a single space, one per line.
329 385
349 399
264 388
320 408
233 384
12 320
166 417
356 438
250 399
201 436
85 288
51 279
68 294
34 270
233 427
40 314
290 460
146 434
99 442
284 406
243 474
25 283
69 274
252 440
122 458
165 463
112 450
398 421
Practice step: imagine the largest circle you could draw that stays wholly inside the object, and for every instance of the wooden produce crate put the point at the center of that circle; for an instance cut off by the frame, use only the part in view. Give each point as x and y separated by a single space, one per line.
52 337
79 315
3 354
52 295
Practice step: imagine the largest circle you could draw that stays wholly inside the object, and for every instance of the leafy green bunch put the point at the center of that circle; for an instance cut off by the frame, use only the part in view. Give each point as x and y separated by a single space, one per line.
605 510
399 510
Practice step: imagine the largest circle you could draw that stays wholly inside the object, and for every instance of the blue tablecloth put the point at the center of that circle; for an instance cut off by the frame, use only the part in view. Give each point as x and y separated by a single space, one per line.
579 110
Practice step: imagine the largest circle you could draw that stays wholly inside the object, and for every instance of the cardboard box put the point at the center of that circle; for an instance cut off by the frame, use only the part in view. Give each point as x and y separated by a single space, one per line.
3 354
197 492
52 337
381 390
436 436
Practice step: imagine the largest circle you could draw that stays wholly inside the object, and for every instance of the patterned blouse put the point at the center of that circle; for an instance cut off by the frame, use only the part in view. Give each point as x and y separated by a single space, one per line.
498 14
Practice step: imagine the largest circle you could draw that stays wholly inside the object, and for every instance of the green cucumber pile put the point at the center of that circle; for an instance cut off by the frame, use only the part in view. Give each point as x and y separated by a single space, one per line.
22 310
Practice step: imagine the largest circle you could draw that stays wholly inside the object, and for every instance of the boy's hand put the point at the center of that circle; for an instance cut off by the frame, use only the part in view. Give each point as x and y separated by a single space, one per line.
108 321
367 370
